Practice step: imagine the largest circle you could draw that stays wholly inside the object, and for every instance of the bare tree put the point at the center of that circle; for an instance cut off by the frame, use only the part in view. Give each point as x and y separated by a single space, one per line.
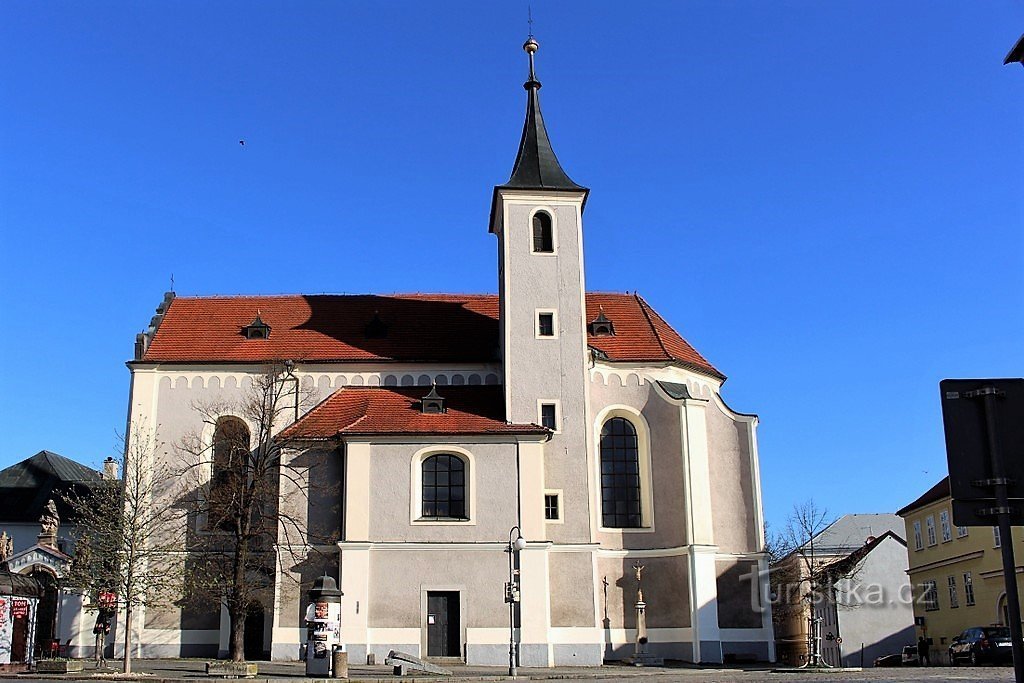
127 539
797 571
246 497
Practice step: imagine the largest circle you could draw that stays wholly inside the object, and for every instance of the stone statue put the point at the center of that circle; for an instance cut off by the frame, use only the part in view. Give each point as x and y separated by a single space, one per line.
50 520
6 547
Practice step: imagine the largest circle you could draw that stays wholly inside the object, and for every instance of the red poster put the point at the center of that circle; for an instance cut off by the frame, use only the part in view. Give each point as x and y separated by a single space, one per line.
321 610
19 609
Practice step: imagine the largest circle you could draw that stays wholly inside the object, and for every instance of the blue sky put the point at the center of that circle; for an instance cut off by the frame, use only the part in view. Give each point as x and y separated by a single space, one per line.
824 198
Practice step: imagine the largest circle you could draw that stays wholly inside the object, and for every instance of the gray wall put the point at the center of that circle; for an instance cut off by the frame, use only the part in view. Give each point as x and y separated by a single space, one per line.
549 368
666 592
732 493
493 475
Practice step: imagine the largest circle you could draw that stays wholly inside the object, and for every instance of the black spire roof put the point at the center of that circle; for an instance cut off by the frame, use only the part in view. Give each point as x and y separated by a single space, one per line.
536 165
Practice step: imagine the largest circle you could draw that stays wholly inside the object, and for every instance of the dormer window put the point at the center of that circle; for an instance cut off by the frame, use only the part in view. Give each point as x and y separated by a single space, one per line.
432 403
376 328
601 326
543 234
257 329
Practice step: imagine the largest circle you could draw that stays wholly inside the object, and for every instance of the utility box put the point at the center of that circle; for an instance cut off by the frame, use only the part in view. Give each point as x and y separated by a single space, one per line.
323 627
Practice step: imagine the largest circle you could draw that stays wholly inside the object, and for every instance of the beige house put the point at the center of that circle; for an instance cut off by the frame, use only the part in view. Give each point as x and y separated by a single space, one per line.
443 421
956 572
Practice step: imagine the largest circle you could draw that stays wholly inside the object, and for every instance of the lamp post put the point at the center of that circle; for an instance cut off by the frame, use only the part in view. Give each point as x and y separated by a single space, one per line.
516 542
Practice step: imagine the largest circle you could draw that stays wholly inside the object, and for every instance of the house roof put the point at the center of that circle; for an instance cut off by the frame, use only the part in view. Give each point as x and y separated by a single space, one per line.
935 493
850 532
844 566
460 328
43 466
351 411
26 486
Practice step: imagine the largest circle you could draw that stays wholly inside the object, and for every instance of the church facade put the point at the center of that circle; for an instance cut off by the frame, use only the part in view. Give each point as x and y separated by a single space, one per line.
444 427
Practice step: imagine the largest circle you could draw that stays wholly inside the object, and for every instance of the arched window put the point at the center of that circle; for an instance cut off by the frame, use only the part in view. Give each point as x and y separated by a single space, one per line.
620 475
230 459
543 236
444 487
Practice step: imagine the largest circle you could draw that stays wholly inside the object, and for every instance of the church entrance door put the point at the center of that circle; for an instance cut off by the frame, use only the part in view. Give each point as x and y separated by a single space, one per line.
253 638
443 627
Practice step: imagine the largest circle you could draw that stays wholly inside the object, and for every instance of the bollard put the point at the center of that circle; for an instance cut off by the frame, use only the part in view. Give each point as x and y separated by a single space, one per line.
339 663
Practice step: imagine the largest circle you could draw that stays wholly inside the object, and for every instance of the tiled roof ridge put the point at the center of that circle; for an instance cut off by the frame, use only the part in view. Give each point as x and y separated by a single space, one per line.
310 413
649 314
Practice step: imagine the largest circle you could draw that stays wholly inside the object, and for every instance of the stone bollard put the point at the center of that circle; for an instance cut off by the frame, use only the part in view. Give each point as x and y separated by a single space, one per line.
339 663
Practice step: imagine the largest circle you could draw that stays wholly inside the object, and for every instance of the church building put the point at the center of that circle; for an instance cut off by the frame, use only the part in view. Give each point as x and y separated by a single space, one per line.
442 428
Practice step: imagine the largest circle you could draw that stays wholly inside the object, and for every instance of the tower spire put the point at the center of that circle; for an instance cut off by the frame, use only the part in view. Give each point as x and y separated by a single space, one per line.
536 165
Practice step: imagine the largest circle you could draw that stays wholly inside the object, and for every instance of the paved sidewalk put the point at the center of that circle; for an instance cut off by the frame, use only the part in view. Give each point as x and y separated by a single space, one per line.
194 670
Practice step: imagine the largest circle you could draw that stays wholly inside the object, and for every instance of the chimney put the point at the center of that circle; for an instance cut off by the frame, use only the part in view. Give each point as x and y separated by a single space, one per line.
110 469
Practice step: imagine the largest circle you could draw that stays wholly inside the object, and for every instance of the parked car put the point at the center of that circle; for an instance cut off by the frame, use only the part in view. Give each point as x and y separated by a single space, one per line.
982 645
910 656
889 660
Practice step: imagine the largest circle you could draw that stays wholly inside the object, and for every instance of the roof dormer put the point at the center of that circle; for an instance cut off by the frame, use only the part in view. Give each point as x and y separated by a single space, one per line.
257 329
432 403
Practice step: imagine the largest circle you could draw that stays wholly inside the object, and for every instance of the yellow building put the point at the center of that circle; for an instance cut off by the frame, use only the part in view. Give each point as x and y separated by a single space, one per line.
956 572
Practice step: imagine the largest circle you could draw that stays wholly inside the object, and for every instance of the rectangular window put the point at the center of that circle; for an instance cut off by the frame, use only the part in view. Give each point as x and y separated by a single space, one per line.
954 602
947 530
961 532
551 511
930 596
968 589
929 524
545 324
995 537
918 543
549 416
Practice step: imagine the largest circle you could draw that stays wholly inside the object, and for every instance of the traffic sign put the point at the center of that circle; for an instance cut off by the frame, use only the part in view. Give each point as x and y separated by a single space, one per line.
968 405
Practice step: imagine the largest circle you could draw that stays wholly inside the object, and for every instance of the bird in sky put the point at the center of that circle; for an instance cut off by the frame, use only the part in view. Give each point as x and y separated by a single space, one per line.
242 143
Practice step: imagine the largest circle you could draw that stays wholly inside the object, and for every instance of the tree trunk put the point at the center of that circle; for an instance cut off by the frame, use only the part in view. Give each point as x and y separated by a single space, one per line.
237 645
128 639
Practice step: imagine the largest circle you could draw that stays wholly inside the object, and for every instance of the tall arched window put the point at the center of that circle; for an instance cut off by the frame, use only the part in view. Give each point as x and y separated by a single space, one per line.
444 487
620 475
230 459
543 235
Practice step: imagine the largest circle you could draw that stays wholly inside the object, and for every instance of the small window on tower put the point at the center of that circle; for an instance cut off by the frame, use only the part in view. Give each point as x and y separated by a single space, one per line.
551 507
543 235
549 416
545 324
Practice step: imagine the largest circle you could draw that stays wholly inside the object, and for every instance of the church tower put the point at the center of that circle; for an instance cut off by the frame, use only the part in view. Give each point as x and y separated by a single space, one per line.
537 217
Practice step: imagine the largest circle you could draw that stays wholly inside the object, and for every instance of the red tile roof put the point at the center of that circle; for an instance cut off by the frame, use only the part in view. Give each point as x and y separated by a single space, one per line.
390 410
421 328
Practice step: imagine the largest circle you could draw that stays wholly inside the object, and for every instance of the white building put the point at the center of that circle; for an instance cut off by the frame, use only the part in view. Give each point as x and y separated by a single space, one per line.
583 418
866 609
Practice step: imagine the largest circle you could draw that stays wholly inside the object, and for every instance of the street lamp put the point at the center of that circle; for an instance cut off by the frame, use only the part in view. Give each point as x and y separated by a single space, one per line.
516 542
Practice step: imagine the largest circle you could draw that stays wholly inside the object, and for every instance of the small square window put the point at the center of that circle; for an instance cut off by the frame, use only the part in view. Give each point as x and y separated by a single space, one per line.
546 324
551 511
549 416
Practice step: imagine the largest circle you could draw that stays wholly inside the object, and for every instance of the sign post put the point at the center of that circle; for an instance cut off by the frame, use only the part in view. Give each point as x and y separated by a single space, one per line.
984 422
